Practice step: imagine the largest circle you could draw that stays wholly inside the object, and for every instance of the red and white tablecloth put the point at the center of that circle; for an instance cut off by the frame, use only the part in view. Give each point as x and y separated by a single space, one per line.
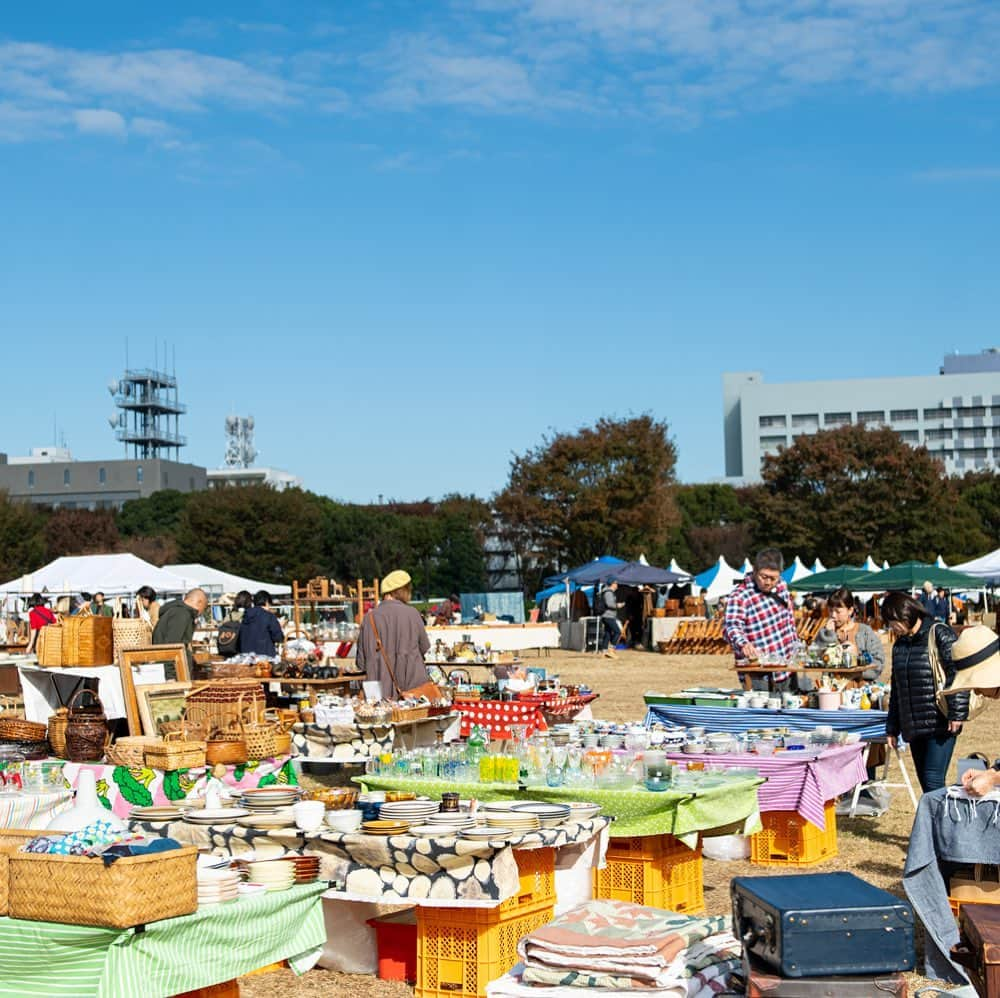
498 715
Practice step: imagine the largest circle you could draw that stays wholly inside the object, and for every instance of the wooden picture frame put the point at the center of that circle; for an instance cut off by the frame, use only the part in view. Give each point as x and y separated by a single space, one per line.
174 660
160 703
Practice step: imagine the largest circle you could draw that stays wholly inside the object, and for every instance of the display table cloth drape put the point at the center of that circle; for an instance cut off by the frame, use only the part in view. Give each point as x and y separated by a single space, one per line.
33 810
868 723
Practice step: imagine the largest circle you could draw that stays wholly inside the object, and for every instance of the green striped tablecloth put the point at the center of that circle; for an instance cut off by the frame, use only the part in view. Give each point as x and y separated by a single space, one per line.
215 944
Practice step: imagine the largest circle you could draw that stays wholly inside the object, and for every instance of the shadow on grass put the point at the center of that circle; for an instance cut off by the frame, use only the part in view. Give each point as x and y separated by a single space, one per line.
865 828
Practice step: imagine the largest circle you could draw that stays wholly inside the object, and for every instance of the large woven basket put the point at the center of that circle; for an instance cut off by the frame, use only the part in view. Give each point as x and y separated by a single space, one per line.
128 633
16 729
11 839
87 641
176 751
57 731
261 740
130 751
86 730
219 753
49 645
227 703
81 890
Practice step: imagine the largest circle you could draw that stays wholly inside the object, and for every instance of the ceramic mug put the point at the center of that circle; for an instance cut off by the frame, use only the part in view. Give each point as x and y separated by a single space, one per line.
308 815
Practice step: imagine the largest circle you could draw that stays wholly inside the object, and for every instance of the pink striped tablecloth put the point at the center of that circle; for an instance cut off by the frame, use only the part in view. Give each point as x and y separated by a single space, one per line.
797 781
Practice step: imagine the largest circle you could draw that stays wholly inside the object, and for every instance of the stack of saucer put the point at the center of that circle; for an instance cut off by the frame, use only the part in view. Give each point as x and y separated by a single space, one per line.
268 798
306 868
514 821
452 819
488 834
413 811
156 813
384 827
267 820
549 815
217 886
215 816
275 874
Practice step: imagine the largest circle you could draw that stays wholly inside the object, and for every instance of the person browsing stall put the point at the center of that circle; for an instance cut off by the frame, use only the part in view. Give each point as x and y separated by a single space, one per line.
146 606
611 630
99 608
39 616
760 620
914 713
177 620
259 629
866 645
392 641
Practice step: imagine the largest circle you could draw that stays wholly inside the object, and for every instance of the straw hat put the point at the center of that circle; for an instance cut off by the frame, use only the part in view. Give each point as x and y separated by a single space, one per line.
976 657
395 580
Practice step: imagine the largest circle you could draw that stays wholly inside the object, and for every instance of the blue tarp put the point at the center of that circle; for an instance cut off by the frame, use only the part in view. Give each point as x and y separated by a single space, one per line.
500 604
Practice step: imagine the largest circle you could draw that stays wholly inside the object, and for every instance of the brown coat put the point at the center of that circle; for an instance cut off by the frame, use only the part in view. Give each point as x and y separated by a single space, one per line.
405 641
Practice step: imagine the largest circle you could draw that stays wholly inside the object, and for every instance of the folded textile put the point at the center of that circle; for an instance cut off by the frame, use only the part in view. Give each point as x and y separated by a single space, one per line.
511 985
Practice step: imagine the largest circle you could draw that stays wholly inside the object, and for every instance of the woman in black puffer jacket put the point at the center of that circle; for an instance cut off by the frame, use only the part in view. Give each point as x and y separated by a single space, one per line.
913 709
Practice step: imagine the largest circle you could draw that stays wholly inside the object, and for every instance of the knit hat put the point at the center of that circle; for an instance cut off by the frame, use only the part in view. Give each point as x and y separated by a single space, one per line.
395 580
976 658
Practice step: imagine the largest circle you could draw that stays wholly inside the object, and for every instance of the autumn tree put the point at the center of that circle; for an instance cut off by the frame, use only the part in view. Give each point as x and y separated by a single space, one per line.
841 494
157 515
22 538
714 520
608 488
80 531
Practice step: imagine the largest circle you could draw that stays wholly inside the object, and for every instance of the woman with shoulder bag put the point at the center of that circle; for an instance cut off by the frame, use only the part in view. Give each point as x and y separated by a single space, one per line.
913 704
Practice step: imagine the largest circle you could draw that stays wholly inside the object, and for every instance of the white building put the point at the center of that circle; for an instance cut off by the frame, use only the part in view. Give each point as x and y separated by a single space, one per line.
955 414
220 478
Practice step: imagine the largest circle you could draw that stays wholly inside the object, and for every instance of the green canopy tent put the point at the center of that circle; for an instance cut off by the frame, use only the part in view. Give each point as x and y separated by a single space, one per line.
834 578
913 574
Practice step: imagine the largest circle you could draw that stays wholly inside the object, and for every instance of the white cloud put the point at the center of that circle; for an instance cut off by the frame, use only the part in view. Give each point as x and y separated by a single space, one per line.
97 121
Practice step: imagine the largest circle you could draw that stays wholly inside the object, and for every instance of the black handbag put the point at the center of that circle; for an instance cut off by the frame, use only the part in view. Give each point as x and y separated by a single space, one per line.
228 638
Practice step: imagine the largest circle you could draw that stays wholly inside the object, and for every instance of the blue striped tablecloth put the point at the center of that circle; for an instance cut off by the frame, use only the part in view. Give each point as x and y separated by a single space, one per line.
868 723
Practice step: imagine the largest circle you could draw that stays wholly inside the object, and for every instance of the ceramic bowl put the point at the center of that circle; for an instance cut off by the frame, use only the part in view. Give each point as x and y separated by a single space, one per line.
344 821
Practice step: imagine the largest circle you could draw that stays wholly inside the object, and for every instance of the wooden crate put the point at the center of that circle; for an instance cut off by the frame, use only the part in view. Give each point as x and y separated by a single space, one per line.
88 641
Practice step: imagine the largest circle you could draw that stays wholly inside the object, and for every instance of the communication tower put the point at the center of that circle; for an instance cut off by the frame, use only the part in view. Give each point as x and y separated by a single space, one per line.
147 422
240 452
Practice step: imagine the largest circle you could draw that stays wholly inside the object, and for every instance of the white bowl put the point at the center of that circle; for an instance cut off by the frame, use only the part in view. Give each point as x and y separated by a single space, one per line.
344 821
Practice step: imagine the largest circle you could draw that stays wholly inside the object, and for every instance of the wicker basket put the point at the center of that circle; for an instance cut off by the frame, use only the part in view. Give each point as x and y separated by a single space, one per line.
283 743
130 752
128 633
87 641
81 890
11 839
228 702
49 645
176 751
233 670
57 731
261 740
226 753
86 730
15 729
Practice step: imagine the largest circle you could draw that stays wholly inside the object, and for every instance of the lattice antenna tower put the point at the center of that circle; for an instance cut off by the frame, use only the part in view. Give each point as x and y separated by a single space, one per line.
149 411
240 451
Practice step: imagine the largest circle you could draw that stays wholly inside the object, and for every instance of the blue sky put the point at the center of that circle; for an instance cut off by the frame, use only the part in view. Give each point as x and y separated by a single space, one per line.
410 238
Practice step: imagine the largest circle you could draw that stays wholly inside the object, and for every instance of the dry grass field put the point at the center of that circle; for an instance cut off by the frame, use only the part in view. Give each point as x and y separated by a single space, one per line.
874 849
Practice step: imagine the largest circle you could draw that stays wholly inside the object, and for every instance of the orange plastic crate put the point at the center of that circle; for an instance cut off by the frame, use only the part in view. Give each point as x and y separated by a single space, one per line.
460 950
537 869
789 840
654 870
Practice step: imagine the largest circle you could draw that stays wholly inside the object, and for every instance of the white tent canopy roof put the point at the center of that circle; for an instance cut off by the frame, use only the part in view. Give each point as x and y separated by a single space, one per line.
940 562
112 574
223 582
818 566
987 567
674 567
747 566
798 571
870 565
720 580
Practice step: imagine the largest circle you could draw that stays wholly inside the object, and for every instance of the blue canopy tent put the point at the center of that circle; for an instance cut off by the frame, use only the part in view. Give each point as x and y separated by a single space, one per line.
573 573
629 573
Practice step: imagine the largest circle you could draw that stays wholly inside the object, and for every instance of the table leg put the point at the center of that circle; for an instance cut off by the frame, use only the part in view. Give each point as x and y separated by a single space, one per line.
857 789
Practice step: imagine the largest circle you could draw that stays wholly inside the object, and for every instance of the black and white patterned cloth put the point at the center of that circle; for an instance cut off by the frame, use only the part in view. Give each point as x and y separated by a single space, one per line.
341 742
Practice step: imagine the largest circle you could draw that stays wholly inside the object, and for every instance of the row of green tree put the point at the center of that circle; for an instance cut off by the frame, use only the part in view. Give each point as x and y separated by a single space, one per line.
609 488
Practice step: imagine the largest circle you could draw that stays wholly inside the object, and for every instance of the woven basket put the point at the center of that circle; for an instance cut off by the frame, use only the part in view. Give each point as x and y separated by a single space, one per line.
175 752
81 890
261 740
15 729
283 744
11 839
86 730
228 702
57 731
9 707
49 645
226 753
128 633
87 641
130 751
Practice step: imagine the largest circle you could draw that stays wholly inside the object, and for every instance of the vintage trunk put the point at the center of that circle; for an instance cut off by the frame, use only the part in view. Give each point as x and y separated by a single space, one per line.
814 925
979 950
763 982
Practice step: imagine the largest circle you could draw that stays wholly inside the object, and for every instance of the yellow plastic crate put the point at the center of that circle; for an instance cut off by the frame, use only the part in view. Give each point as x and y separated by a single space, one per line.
537 870
683 878
460 950
656 870
788 839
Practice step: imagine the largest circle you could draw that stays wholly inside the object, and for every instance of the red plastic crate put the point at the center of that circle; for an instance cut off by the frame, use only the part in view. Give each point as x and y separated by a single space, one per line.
396 937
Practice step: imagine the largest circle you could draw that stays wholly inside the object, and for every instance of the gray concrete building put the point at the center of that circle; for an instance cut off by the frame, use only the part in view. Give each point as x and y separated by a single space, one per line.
51 477
955 413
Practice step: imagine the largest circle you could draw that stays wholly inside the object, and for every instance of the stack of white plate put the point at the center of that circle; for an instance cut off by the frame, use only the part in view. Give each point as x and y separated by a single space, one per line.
520 823
217 886
451 819
581 810
414 811
497 805
267 820
215 816
487 834
549 815
275 875
156 813
433 831
268 798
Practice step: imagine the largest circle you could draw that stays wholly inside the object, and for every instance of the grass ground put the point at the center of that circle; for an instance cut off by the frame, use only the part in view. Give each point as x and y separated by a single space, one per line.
874 849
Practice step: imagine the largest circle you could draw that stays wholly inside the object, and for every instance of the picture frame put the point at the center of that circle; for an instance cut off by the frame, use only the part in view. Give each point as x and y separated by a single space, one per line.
142 667
161 703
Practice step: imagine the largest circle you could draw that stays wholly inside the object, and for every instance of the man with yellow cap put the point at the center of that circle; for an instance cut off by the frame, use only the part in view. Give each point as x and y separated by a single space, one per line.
393 640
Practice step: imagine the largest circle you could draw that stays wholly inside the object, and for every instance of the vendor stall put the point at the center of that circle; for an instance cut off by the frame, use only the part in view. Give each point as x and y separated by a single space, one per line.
869 724
499 637
216 944
45 690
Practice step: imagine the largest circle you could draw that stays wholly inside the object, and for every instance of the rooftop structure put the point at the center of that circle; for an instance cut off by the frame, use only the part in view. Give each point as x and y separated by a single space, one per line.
148 423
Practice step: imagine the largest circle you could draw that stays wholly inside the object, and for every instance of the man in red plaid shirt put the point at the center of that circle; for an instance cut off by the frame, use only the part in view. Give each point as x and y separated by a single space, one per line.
760 620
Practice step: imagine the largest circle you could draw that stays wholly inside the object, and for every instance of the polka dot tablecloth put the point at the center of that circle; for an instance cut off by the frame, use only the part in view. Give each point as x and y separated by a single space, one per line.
498 715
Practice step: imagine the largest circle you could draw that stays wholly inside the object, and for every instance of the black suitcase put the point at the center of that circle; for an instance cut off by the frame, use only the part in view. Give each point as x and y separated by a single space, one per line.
765 983
818 924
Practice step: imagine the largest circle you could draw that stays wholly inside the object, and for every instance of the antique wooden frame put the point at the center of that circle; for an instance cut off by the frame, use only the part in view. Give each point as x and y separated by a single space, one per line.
172 655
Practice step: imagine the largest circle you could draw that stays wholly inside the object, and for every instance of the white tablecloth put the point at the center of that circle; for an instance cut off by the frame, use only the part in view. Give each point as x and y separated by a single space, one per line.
663 628
502 637
33 810
44 690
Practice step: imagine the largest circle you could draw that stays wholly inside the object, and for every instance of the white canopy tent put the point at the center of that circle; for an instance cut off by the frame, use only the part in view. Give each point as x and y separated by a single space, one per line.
111 574
871 565
216 581
719 580
797 570
940 562
747 566
986 567
674 567
818 566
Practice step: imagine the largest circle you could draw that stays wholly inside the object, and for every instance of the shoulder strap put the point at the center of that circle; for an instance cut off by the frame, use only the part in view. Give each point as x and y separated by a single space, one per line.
381 651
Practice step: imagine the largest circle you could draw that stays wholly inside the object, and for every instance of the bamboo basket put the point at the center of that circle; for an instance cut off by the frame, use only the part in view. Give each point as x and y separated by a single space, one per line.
81 890
228 702
11 839
48 646
184 753
226 753
16 729
87 641
130 751
87 732
57 731
128 633
261 740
